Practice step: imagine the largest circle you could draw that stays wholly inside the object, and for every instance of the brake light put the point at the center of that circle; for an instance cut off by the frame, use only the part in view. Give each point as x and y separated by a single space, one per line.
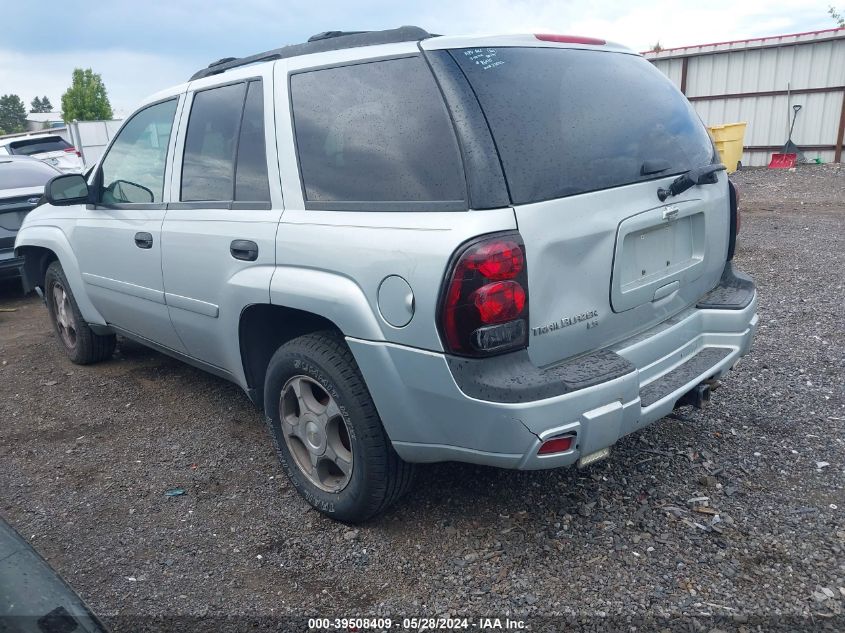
73 150
500 301
570 39
500 260
484 307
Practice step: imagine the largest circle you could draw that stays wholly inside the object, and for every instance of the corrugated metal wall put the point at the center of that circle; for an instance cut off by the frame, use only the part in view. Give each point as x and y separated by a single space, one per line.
730 71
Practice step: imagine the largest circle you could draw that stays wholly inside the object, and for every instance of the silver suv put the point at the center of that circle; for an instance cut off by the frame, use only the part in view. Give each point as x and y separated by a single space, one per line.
408 248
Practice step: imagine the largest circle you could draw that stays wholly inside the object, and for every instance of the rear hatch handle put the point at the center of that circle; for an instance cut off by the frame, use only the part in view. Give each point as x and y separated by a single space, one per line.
699 176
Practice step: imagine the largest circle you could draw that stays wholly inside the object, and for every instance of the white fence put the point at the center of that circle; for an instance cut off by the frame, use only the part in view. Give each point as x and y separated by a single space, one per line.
92 137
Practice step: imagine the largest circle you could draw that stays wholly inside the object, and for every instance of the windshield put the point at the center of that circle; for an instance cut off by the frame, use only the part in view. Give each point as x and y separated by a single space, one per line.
569 121
39 145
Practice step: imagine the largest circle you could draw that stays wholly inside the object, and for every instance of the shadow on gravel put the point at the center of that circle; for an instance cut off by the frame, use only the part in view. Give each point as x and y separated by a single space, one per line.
11 290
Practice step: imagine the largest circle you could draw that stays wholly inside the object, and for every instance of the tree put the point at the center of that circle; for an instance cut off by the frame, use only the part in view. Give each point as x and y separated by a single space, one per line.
41 105
837 17
12 114
86 99
656 47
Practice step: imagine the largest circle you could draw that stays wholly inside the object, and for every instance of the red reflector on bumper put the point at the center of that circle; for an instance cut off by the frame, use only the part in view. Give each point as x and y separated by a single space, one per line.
556 445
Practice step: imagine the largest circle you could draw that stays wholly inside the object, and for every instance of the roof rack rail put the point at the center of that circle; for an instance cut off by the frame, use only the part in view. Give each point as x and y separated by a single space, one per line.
319 43
329 34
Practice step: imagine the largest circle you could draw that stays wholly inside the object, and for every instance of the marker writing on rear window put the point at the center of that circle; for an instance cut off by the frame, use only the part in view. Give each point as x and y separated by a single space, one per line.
484 57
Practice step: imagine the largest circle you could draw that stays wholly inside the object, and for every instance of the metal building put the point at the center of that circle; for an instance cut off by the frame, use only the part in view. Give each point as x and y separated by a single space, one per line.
759 80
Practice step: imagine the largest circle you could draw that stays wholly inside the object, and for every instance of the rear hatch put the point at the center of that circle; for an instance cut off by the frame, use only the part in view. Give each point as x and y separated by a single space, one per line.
586 138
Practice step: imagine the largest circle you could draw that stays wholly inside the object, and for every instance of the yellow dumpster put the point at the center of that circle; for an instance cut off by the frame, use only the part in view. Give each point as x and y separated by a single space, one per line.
729 142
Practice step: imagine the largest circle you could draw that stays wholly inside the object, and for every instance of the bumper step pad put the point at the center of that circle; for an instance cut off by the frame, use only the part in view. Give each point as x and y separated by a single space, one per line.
682 374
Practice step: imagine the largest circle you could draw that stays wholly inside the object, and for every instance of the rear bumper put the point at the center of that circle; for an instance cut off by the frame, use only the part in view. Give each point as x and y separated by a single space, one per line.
430 417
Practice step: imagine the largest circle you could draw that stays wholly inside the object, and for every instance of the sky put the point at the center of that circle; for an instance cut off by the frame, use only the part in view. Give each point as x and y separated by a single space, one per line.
144 46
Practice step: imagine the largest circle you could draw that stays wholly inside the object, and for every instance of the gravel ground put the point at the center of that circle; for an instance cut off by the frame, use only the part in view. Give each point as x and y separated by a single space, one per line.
87 453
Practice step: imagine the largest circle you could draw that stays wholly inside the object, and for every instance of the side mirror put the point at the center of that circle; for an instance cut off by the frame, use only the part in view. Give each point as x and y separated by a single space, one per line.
125 191
66 190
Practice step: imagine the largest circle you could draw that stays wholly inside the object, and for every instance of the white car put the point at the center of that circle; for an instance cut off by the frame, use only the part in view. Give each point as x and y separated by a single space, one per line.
49 148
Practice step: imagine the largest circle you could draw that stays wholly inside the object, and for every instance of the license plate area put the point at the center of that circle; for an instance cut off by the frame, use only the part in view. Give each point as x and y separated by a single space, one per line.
653 250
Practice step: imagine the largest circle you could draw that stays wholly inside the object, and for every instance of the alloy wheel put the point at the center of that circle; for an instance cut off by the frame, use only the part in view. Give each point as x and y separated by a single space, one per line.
316 433
65 320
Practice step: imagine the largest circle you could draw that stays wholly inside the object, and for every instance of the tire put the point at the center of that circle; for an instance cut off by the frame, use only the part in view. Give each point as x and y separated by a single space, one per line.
80 343
317 373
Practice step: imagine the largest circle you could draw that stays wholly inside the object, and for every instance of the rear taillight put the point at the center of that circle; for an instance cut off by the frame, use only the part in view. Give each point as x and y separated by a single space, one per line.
484 306
569 39
73 150
735 221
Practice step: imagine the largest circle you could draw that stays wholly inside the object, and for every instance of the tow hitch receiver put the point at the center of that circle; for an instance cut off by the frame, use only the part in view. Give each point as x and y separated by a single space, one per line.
696 397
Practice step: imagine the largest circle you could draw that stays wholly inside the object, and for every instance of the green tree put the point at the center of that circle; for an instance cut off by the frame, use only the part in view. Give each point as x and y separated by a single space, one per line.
656 47
41 104
837 17
86 99
12 114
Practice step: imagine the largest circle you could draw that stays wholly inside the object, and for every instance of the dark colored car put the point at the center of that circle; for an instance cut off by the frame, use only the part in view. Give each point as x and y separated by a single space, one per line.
33 598
22 181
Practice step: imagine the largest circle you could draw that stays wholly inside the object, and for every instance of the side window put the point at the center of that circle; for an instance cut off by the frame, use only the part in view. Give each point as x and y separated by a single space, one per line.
133 170
225 157
375 132
208 167
251 167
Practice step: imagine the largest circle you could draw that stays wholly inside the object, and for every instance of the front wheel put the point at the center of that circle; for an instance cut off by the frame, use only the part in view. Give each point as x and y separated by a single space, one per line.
80 343
327 432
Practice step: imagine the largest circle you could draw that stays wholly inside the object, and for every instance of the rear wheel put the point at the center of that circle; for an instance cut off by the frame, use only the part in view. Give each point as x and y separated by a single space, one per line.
80 343
327 431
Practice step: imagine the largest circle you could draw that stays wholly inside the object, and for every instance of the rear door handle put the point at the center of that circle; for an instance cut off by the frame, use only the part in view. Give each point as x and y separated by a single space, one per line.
143 240
245 250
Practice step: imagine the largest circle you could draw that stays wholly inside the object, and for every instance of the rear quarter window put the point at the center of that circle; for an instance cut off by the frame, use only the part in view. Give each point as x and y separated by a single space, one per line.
569 121
375 132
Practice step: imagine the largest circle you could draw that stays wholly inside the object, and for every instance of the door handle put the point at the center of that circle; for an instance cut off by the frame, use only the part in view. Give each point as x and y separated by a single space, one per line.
143 240
245 250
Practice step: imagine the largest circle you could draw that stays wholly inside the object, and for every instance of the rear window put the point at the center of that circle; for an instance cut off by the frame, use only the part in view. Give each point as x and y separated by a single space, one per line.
569 121
40 145
17 174
378 135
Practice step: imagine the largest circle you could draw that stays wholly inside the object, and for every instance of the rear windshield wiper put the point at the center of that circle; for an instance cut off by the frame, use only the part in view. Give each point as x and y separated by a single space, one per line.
654 166
699 176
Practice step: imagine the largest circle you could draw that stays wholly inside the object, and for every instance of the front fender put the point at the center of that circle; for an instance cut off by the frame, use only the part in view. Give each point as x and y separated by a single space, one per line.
54 239
332 296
